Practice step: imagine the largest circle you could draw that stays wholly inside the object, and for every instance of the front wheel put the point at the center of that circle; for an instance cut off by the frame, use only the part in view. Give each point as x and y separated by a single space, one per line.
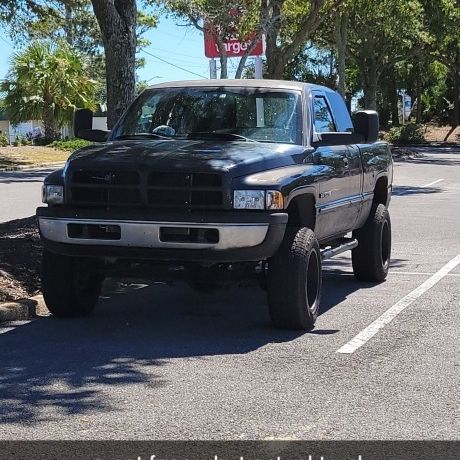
70 285
371 258
294 281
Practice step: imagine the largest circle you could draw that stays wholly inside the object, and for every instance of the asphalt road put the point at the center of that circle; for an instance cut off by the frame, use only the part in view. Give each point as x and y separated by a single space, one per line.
20 193
160 362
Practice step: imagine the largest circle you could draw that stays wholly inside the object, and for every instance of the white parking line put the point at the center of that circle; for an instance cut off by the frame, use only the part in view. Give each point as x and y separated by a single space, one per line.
432 183
366 334
420 273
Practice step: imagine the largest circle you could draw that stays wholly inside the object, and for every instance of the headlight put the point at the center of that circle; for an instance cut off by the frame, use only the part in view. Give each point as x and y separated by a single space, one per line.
257 199
249 199
53 194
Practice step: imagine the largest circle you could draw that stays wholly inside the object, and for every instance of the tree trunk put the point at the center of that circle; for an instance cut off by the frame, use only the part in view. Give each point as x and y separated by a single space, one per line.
456 114
220 39
341 40
117 21
275 65
394 103
271 51
68 26
370 82
49 123
279 56
241 64
457 91
244 58
223 66
419 95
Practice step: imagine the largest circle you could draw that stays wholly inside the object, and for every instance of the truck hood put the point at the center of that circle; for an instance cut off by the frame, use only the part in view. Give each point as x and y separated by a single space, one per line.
237 158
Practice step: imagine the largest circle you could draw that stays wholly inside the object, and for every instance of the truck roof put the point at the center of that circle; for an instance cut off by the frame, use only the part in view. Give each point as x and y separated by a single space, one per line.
248 83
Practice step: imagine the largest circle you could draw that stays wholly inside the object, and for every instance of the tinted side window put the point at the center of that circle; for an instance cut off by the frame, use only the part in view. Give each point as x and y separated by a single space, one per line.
324 123
342 117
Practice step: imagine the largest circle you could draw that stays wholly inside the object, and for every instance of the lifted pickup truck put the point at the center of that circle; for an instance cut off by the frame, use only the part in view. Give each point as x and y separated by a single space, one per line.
204 180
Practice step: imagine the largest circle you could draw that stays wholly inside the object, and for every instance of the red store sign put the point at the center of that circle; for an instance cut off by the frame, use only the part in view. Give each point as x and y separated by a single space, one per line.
233 46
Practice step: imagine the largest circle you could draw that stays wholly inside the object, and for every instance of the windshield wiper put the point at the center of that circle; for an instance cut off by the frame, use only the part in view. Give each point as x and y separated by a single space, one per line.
141 136
218 135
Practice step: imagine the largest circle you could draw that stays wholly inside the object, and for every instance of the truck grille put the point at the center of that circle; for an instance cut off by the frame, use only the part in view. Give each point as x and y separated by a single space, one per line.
153 189
193 190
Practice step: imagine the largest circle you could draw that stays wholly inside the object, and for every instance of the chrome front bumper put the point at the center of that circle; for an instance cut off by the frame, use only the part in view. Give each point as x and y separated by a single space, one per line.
146 234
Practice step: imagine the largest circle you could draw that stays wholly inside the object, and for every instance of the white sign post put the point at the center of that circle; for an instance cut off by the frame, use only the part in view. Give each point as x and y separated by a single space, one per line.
212 69
258 71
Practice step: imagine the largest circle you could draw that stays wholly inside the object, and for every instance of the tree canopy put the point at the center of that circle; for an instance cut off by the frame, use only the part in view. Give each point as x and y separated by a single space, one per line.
369 49
47 82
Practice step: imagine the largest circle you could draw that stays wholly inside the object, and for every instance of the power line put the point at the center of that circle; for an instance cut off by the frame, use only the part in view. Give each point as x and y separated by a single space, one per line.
178 54
174 65
190 65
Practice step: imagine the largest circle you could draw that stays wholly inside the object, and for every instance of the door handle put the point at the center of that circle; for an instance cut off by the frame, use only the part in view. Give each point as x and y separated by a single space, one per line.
345 162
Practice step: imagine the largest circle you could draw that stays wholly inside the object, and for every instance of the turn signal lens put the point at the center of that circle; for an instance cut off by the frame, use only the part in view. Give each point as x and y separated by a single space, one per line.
274 200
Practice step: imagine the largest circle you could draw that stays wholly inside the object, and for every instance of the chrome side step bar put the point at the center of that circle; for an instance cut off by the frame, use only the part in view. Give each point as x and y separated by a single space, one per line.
347 245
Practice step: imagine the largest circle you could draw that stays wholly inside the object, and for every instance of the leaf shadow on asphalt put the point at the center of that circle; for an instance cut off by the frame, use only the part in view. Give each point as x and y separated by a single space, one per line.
54 368
430 155
404 190
17 177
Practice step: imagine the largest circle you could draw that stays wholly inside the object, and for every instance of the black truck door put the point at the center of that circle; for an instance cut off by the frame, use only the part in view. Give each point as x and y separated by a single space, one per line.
340 196
333 198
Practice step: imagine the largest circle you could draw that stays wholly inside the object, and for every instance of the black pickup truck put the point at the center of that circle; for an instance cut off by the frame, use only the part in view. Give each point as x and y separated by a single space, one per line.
204 181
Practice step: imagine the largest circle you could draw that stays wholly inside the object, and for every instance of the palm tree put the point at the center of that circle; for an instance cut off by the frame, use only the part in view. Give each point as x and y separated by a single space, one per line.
47 82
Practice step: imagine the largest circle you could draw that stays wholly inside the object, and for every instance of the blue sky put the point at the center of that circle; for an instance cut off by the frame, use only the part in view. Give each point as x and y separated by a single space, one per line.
179 45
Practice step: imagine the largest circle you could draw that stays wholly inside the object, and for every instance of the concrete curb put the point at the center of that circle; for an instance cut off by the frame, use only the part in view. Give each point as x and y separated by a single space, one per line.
22 309
39 166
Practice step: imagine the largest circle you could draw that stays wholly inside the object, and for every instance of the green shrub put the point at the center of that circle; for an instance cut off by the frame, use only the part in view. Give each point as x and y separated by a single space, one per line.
25 141
16 142
3 140
406 134
69 144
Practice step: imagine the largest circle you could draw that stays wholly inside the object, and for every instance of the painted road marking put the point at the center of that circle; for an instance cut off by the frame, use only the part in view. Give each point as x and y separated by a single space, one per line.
420 273
432 183
366 334
13 325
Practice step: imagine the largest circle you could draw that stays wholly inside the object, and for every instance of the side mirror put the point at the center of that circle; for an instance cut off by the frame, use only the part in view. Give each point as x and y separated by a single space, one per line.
83 127
367 124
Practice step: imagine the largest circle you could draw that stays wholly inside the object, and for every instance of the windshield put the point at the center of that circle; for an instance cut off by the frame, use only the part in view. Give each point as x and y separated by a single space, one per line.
230 114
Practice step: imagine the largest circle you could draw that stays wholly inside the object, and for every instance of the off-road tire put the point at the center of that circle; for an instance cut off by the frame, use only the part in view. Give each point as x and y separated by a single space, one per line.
371 258
294 281
70 285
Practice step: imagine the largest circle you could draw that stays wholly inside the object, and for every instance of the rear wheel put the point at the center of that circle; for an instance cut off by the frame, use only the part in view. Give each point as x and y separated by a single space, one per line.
70 285
371 258
294 281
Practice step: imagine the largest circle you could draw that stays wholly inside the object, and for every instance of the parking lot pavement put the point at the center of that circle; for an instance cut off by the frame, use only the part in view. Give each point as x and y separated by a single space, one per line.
21 192
160 361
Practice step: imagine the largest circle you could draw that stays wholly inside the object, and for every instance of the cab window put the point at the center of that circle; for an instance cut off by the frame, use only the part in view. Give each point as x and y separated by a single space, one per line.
324 123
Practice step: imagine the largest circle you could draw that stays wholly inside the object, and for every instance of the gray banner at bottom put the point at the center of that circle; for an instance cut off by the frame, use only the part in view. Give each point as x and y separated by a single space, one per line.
230 450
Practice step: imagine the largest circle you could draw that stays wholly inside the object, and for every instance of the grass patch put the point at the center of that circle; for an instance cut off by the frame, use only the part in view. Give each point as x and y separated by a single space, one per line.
29 155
